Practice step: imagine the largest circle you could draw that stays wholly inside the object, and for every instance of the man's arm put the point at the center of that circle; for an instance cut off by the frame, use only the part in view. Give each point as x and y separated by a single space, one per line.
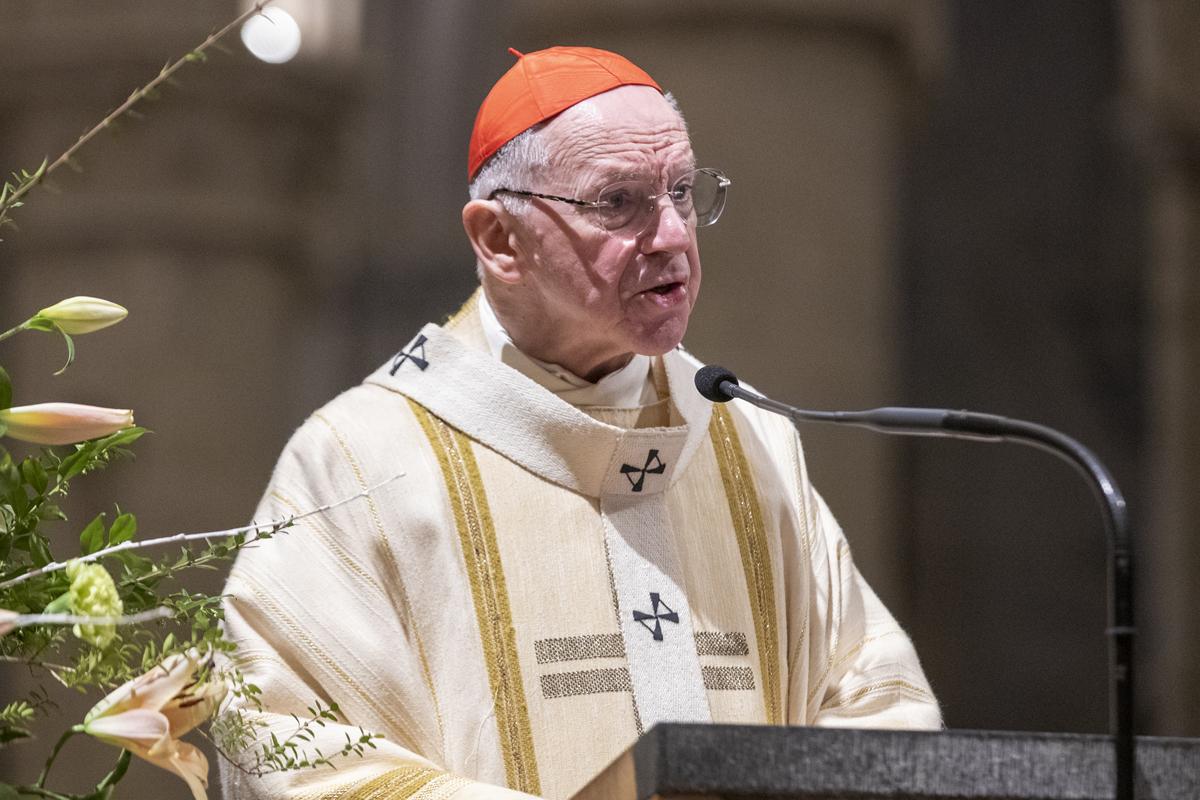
871 677
849 662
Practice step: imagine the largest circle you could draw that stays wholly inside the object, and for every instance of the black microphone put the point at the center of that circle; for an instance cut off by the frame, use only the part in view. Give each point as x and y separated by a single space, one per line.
720 386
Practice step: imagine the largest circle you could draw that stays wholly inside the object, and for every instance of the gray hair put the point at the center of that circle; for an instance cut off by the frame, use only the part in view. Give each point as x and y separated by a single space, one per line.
514 166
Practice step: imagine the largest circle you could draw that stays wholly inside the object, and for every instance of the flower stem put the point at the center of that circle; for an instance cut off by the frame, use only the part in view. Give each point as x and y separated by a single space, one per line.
12 331
67 734
104 787
38 791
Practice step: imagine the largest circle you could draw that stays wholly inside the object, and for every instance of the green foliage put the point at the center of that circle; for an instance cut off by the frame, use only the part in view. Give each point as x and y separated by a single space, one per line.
246 733
12 191
34 580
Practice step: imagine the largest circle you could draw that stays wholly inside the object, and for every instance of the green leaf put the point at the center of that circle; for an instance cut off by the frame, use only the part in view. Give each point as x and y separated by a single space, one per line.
78 461
50 511
5 392
119 438
39 551
70 350
123 529
34 474
136 565
7 792
92 538
59 605
10 478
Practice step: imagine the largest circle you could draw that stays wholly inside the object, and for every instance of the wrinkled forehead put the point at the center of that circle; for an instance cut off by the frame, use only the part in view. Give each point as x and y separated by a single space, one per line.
630 131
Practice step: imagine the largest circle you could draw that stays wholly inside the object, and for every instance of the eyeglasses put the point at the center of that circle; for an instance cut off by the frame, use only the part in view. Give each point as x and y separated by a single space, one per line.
699 197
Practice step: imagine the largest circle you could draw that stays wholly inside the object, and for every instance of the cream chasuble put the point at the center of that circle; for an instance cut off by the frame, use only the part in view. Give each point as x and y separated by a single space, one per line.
545 582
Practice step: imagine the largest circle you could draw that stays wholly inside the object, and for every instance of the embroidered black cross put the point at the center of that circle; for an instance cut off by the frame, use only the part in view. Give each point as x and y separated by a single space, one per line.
411 355
629 470
644 618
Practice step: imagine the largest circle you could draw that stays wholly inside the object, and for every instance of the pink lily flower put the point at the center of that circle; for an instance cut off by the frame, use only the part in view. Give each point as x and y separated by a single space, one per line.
62 423
148 714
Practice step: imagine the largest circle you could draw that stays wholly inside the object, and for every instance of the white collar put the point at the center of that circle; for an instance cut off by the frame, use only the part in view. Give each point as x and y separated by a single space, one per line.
505 411
628 387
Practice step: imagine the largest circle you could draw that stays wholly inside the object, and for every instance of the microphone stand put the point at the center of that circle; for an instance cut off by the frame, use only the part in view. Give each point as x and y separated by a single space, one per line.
993 428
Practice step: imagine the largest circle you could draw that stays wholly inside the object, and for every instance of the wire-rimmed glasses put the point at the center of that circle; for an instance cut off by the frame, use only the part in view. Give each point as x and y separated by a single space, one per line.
698 196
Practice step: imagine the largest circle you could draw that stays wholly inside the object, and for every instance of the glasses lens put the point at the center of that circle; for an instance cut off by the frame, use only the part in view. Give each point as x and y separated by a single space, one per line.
621 203
699 198
708 195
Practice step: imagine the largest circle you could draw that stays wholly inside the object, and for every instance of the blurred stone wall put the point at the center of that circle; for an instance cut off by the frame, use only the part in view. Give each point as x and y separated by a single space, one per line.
1024 235
942 203
1162 72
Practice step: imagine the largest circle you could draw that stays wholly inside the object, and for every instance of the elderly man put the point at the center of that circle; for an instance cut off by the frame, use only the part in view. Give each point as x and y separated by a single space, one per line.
580 546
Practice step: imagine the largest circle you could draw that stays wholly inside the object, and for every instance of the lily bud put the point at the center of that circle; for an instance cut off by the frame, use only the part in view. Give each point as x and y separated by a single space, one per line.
62 423
77 315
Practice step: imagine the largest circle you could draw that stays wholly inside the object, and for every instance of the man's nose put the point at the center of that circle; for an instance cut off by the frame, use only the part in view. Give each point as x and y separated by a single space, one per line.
668 231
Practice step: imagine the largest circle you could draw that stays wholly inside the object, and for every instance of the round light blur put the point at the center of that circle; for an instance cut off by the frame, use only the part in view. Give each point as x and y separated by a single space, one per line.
272 36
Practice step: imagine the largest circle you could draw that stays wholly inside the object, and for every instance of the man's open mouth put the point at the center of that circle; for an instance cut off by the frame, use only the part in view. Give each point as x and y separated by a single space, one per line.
666 288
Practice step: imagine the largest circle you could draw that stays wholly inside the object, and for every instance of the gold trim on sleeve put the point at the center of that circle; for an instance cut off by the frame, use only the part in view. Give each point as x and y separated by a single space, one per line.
481 556
748 525
893 685
396 784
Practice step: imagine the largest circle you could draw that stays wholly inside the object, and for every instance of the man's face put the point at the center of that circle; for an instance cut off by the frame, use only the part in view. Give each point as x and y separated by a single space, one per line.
603 295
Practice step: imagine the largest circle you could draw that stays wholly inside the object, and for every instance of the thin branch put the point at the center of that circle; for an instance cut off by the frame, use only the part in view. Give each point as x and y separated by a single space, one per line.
137 95
54 566
49 666
23 620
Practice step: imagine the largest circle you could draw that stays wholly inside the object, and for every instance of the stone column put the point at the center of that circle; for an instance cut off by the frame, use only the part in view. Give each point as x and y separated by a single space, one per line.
1162 73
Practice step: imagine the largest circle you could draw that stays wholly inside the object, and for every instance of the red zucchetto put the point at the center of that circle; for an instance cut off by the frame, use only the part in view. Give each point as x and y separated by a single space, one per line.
541 85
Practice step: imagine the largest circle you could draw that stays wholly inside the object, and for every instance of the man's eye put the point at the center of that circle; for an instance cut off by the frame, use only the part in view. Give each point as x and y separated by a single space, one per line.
681 191
616 199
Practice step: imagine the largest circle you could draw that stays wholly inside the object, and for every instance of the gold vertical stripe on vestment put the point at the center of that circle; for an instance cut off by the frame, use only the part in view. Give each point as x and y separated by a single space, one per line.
751 534
481 556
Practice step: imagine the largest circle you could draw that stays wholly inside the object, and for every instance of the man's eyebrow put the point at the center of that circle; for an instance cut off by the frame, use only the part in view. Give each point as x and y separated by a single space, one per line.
618 174
614 175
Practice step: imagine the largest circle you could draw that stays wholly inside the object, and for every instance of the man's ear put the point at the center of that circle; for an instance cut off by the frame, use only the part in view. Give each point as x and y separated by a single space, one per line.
489 227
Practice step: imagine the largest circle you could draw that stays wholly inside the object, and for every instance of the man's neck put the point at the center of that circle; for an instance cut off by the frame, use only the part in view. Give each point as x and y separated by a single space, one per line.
626 385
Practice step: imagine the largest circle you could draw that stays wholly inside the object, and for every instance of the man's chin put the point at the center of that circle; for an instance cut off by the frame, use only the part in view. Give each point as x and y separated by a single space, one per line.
663 339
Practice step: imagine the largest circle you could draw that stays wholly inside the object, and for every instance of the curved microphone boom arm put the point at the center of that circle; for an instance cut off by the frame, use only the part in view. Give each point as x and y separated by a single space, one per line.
720 385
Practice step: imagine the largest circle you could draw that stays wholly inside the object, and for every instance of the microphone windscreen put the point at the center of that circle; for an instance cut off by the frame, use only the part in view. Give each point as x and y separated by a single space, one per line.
708 382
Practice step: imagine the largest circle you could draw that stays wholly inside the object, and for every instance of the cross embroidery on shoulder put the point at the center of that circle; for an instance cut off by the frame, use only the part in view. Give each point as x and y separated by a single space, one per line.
653 466
411 355
669 615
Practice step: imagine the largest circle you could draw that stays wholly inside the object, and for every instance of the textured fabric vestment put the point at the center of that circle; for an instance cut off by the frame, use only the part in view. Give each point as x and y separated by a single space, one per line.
545 582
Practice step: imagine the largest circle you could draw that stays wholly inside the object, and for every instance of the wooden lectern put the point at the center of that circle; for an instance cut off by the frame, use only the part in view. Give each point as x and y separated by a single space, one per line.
746 762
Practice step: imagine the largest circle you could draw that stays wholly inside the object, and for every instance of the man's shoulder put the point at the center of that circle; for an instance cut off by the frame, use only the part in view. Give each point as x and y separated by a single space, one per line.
361 418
